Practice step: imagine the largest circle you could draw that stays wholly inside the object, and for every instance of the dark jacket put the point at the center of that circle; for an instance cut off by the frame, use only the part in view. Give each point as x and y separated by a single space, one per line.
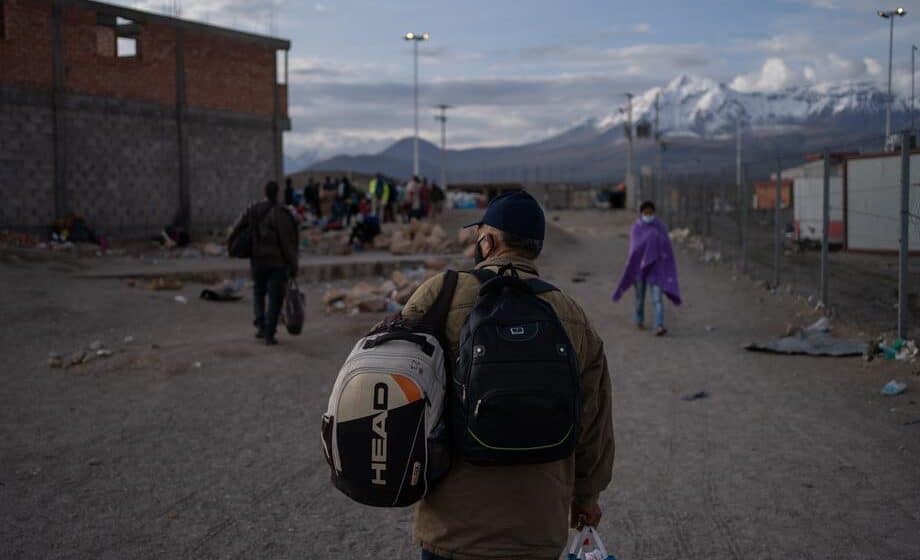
275 236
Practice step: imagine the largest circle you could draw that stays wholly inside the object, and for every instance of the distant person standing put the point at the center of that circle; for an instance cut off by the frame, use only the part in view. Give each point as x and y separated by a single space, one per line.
379 191
414 198
288 192
274 235
311 198
424 195
437 199
650 266
327 196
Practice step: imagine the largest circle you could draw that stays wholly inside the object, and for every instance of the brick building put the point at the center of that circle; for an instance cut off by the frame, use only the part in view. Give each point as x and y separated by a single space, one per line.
132 119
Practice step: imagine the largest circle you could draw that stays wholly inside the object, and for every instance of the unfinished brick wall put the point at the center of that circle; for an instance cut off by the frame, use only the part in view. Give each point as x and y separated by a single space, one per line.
118 119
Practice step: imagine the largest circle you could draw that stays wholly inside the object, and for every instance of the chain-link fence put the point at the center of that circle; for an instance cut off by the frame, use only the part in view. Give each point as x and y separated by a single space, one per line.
771 227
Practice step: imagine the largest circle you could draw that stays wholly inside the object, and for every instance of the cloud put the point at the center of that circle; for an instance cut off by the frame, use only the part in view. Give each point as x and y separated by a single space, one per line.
320 8
774 75
641 28
781 44
834 68
252 15
661 59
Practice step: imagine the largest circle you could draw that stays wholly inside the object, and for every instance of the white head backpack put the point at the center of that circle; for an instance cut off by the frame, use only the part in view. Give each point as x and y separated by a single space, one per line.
385 434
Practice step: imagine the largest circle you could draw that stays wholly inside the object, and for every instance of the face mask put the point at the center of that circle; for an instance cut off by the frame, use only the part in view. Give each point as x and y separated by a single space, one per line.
648 219
477 255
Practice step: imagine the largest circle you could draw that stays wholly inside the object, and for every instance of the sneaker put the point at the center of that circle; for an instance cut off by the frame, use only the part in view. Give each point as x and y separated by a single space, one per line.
271 341
640 327
260 334
661 331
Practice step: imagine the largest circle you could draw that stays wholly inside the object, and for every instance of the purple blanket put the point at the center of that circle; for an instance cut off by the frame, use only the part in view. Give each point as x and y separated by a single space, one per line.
651 259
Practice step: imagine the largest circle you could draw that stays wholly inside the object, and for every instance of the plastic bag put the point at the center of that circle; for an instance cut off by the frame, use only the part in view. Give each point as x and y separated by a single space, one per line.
587 545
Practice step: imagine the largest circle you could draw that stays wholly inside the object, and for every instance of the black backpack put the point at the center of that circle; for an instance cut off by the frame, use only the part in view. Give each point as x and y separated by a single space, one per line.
239 245
516 391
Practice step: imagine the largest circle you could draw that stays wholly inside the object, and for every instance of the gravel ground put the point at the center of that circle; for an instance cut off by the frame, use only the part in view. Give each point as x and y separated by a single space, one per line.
145 455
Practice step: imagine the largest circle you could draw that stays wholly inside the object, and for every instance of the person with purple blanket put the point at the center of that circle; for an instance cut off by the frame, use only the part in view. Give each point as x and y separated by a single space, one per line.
650 265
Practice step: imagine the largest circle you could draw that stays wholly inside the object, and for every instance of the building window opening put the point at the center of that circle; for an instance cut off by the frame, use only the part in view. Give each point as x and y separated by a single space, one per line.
126 47
281 66
117 37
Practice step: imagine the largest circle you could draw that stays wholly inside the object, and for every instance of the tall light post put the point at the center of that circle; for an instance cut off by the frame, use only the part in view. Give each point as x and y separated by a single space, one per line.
442 118
416 38
890 15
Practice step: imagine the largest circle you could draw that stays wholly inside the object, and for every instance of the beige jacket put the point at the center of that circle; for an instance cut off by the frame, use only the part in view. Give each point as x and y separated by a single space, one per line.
519 512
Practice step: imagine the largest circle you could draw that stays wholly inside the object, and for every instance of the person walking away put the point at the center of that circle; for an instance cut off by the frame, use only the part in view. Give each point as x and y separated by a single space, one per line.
650 266
520 511
275 241
288 192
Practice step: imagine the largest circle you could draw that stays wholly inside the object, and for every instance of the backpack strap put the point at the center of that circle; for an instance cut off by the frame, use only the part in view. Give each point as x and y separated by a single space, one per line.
482 274
540 286
436 316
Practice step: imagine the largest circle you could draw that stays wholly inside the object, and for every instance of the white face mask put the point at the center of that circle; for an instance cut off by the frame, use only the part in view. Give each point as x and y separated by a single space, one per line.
648 219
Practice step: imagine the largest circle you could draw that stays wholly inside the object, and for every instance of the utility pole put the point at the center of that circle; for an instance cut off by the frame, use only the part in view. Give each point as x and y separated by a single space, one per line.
632 203
777 231
737 161
904 245
659 182
825 226
442 118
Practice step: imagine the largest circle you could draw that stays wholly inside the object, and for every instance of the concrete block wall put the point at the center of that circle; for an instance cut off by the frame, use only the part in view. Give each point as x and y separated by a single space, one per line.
121 166
26 164
229 164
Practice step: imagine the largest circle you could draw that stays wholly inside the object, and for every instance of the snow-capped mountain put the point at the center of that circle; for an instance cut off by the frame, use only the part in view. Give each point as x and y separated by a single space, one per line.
697 117
690 105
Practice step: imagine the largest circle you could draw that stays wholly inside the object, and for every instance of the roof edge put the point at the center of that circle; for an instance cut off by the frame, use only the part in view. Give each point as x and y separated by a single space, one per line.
141 17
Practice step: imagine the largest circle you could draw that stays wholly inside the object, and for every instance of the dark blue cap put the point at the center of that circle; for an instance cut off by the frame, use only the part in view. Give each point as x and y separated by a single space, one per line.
515 212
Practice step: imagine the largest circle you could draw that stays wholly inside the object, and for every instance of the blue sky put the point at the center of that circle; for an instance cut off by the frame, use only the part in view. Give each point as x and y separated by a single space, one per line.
523 70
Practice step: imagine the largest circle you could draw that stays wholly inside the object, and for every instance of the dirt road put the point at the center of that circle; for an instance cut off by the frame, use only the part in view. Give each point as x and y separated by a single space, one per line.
149 455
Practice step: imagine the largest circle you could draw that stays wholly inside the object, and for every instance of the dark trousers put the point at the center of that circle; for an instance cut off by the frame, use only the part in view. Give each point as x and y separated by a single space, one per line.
431 556
270 280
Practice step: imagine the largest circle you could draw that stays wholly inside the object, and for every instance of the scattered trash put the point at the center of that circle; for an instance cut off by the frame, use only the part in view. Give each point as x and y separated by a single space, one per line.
893 388
128 339
94 462
710 328
197 365
213 249
578 280
55 361
103 352
712 257
225 290
181 299
814 340
912 422
95 345
695 396
165 284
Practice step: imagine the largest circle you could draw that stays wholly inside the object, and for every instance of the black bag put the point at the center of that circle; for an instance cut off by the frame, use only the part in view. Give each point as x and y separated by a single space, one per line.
239 245
386 434
517 397
293 313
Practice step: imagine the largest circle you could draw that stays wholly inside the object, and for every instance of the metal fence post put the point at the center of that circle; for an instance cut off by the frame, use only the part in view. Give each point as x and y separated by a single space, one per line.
826 221
903 250
743 202
777 233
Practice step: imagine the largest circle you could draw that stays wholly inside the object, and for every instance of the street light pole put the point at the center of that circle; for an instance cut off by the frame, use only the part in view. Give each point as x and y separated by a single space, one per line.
913 52
416 38
889 15
442 118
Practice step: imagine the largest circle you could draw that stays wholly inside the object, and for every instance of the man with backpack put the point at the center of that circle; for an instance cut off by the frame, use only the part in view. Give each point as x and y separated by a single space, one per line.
531 403
274 241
